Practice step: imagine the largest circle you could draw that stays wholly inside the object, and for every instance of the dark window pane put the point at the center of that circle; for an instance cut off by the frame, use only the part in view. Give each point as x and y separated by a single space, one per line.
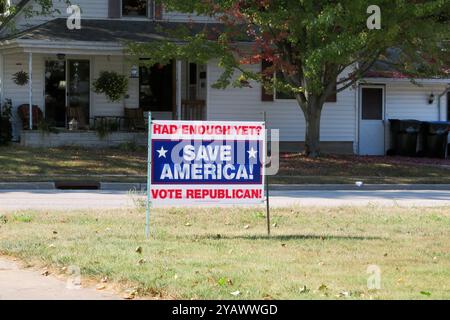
192 73
134 8
372 104
156 88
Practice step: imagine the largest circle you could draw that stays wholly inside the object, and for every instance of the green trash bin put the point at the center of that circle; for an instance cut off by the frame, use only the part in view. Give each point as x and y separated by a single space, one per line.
404 137
435 139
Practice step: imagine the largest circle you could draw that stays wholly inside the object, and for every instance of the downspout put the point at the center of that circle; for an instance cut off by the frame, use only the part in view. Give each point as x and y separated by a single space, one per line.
439 101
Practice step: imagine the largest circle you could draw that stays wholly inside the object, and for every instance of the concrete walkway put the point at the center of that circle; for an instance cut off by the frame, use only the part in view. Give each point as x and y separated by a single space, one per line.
27 284
70 200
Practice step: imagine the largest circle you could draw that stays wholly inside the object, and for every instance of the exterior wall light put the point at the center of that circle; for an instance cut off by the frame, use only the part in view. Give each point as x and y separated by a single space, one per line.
61 56
134 72
431 98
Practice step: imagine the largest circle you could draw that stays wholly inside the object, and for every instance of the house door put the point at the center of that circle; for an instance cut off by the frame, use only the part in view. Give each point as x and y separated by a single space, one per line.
371 121
55 92
78 91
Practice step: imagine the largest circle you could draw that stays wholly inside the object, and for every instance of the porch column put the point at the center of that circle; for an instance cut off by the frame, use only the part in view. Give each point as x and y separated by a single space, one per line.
178 89
30 84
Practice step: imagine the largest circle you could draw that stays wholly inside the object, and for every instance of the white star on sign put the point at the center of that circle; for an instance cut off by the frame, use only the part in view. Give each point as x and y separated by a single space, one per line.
162 152
252 153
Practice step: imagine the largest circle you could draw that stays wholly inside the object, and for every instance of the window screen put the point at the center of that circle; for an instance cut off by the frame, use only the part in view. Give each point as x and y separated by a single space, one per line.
372 104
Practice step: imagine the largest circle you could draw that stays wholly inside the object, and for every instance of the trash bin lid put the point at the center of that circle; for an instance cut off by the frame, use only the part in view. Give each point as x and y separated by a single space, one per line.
410 126
437 127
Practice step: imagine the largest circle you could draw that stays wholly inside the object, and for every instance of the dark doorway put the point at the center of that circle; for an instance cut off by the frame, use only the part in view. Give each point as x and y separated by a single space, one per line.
55 92
156 88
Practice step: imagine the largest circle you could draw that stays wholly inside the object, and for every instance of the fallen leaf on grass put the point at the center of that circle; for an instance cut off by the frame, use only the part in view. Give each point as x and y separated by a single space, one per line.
130 294
246 227
100 287
425 293
235 293
139 250
344 294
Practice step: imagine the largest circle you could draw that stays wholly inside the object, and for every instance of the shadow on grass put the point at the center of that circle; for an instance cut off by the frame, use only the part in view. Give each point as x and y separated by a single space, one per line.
288 237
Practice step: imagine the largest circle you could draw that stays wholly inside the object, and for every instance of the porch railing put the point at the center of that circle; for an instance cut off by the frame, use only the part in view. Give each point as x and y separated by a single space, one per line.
193 109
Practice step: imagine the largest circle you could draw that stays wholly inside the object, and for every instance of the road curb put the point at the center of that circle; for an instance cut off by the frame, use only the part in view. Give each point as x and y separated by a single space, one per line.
27 185
140 187
352 187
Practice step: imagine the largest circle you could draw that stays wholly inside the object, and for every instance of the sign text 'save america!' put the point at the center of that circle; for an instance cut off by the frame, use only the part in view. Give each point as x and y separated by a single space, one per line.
207 161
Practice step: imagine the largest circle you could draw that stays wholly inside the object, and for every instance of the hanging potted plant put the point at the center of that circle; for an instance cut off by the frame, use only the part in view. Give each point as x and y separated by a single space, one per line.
21 78
113 85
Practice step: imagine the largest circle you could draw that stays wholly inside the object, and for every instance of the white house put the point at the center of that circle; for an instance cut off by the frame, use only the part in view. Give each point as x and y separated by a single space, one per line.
63 63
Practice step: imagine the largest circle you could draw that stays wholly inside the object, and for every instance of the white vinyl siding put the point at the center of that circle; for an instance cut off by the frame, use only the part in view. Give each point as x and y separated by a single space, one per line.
186 17
409 101
20 94
100 105
89 9
92 9
338 119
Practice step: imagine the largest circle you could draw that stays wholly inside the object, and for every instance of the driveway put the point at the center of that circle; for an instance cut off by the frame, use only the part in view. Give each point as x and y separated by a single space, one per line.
28 284
74 200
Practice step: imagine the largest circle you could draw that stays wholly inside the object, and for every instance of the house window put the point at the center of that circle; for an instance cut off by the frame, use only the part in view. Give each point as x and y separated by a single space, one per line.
134 8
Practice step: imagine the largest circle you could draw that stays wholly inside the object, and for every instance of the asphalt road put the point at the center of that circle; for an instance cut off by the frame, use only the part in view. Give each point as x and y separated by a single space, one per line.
71 200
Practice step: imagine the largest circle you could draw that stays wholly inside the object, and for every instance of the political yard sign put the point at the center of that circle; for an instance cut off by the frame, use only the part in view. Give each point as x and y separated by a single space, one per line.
207 162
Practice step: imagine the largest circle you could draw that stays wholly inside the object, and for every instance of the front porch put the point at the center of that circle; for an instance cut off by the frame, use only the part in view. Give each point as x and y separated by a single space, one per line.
61 71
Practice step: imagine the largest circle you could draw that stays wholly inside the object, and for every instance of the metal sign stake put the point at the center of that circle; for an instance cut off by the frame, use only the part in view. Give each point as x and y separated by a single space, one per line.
149 168
267 181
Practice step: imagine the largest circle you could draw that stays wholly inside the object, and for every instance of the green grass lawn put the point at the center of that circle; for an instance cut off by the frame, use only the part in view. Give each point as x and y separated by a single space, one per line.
56 164
130 165
314 253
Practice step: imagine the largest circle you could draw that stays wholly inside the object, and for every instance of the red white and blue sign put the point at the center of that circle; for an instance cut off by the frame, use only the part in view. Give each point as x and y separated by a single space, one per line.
207 161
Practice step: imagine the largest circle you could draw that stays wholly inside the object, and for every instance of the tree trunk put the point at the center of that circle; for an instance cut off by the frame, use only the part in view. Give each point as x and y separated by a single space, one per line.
312 112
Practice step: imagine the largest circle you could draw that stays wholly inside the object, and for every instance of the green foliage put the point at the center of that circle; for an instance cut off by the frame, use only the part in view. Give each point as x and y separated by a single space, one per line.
317 47
105 127
112 84
24 218
47 127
